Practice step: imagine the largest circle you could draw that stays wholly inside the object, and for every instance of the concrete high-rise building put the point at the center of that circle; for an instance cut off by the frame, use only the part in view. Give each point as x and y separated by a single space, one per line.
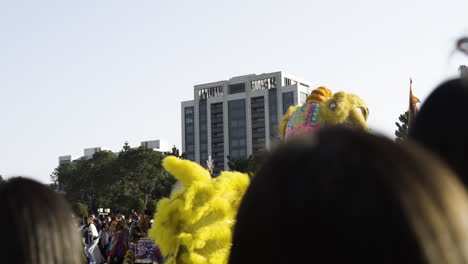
237 117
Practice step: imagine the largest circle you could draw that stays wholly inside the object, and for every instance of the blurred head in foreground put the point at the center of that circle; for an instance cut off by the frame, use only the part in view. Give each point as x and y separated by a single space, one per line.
441 125
37 225
345 196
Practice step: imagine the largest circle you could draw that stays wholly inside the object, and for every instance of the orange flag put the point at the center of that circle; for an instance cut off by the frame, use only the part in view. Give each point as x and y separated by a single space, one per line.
413 108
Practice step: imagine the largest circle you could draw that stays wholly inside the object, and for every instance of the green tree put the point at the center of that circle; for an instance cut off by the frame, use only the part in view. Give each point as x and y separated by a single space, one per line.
175 152
151 207
402 127
255 162
139 206
239 164
62 177
1 179
103 175
248 165
87 180
114 182
142 171
79 209
163 186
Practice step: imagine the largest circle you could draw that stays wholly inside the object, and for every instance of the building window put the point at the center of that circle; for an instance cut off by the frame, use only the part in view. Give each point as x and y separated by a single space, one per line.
189 133
258 123
263 84
288 82
202 122
189 120
273 112
242 142
217 136
237 88
210 92
288 100
188 110
237 128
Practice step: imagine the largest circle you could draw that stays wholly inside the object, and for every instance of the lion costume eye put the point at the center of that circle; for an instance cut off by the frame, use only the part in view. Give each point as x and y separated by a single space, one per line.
364 111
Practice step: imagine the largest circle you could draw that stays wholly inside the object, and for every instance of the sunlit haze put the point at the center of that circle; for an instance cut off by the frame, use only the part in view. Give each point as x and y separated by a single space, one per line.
80 74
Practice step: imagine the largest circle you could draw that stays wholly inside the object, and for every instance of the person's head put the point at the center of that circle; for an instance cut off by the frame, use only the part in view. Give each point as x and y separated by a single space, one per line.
344 196
37 225
121 224
89 220
441 125
118 216
134 216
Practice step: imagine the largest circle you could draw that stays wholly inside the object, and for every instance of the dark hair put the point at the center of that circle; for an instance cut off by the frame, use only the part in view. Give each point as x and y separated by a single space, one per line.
442 125
105 226
349 197
37 225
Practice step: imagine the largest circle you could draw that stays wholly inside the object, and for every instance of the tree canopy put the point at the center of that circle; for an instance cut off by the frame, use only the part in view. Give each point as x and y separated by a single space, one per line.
402 127
248 165
121 182
80 209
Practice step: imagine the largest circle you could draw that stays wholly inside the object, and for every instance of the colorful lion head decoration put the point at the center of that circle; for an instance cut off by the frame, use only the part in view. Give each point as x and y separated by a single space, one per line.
195 224
323 109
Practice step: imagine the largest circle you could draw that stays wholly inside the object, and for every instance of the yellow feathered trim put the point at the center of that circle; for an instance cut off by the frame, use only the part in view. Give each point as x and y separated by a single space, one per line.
185 172
195 224
284 120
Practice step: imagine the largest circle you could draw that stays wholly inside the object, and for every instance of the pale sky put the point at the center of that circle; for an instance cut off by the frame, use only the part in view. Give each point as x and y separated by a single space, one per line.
78 74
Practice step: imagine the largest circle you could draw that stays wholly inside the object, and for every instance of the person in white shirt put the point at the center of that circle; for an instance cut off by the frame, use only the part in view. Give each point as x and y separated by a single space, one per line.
90 239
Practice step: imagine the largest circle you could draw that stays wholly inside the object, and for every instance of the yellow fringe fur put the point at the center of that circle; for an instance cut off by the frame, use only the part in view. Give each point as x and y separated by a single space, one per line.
195 224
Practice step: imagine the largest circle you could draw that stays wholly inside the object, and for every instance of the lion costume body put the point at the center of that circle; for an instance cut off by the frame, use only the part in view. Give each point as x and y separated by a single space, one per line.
195 224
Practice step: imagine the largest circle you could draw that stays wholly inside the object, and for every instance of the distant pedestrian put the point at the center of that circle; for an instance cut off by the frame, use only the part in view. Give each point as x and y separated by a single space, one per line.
90 237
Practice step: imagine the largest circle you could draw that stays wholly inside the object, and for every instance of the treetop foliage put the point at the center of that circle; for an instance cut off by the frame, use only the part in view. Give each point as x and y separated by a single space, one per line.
120 182
402 127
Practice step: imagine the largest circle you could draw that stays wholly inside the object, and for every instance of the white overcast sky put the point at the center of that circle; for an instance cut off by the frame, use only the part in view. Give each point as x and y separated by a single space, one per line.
78 74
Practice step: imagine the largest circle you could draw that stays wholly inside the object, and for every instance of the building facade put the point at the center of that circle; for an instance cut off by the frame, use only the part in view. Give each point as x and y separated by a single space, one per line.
237 117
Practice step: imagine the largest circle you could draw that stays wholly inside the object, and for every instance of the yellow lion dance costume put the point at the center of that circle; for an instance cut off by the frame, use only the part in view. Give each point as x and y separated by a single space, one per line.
322 109
195 224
